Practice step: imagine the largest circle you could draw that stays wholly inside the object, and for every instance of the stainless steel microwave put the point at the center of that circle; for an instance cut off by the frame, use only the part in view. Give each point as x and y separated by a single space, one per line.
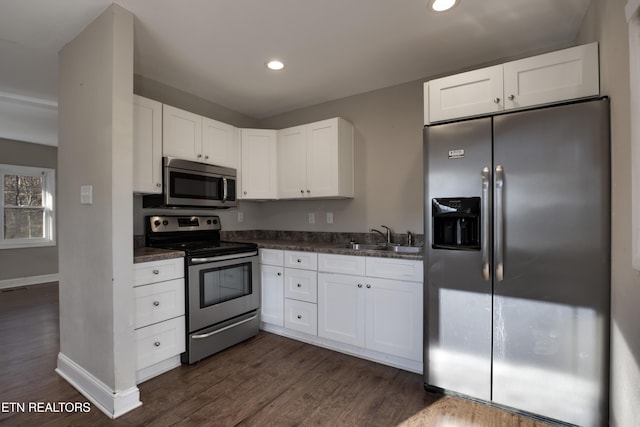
192 184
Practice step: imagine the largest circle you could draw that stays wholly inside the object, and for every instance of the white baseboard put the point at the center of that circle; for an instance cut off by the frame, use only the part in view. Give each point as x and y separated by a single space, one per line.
157 369
112 403
363 353
26 281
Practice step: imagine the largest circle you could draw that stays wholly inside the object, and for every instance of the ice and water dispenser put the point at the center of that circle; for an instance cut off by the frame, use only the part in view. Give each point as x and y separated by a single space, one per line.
456 223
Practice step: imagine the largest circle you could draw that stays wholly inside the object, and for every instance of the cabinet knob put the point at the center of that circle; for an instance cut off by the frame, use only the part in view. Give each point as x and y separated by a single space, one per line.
299 260
158 185
359 285
368 286
299 316
279 274
157 343
301 191
156 271
156 303
497 100
199 155
308 191
299 285
206 157
512 97
244 192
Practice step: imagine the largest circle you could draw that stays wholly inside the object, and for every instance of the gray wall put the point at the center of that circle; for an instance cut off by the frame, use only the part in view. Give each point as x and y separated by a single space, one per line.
606 23
96 250
18 263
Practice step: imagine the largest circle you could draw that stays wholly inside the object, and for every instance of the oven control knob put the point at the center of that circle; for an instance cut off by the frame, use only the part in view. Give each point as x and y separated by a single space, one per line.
165 222
157 223
209 222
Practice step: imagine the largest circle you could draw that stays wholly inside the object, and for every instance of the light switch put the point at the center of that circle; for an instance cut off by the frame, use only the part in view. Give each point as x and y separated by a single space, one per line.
312 218
86 195
240 216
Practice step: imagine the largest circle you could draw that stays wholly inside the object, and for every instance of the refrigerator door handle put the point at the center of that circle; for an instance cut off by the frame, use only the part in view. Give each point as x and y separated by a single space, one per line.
499 228
484 232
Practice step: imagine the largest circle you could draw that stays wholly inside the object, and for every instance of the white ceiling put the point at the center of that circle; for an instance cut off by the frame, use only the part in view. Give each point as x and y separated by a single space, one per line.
216 49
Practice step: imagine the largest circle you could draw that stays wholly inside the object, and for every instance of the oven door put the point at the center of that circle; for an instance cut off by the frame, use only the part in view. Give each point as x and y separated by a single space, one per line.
221 288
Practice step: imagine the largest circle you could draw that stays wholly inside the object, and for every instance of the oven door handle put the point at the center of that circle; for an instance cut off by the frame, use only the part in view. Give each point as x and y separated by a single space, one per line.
222 257
203 336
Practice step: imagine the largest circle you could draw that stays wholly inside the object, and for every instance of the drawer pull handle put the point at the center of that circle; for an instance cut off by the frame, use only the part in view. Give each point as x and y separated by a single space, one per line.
299 316
156 271
299 285
157 343
279 274
368 286
156 303
359 285
299 260
203 336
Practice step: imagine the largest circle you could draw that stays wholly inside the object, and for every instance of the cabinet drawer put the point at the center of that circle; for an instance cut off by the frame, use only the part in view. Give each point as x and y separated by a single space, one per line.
342 264
301 316
393 268
272 257
301 285
158 271
159 342
305 260
159 301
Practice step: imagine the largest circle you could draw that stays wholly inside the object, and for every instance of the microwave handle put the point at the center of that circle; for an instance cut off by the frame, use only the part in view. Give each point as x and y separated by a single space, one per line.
224 189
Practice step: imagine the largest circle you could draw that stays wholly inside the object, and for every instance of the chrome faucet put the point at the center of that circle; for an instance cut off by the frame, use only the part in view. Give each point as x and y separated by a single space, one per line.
373 230
388 233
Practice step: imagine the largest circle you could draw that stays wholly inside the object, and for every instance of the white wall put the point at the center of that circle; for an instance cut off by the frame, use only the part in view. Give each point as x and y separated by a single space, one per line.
95 241
606 23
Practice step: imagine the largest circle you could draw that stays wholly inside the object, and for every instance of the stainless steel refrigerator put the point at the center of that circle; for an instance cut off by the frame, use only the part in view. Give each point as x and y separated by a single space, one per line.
517 261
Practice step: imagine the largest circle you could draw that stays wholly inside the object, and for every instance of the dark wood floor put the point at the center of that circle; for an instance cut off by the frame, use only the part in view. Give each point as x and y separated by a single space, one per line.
266 381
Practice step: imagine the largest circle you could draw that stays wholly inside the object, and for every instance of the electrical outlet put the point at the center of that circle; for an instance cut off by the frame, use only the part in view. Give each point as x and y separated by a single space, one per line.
329 217
312 218
240 216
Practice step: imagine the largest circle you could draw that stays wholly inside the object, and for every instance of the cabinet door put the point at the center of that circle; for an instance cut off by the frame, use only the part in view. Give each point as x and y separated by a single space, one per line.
322 158
556 76
259 162
341 308
219 144
394 317
466 94
292 163
181 134
147 145
272 295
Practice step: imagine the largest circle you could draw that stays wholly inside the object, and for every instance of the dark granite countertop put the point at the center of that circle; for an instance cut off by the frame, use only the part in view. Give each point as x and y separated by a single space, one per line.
146 254
330 248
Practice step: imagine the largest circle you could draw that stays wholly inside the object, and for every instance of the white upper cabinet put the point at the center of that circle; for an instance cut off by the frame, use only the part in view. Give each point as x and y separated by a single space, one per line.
190 136
557 76
316 160
147 145
466 94
292 161
259 164
219 143
181 134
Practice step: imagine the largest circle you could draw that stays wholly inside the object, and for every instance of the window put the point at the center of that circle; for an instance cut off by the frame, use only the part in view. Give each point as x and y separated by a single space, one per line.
26 204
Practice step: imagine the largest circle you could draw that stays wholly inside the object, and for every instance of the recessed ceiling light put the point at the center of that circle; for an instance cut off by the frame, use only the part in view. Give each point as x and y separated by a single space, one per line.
441 5
274 65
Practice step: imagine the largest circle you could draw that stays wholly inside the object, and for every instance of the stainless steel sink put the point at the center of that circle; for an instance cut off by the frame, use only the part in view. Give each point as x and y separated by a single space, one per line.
384 247
367 247
405 249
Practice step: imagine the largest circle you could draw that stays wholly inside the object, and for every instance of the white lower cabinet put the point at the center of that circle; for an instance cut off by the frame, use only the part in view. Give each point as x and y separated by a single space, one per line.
367 306
301 316
272 292
159 318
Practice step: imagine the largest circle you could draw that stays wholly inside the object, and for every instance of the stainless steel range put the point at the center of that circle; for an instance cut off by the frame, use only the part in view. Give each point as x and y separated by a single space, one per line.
222 282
